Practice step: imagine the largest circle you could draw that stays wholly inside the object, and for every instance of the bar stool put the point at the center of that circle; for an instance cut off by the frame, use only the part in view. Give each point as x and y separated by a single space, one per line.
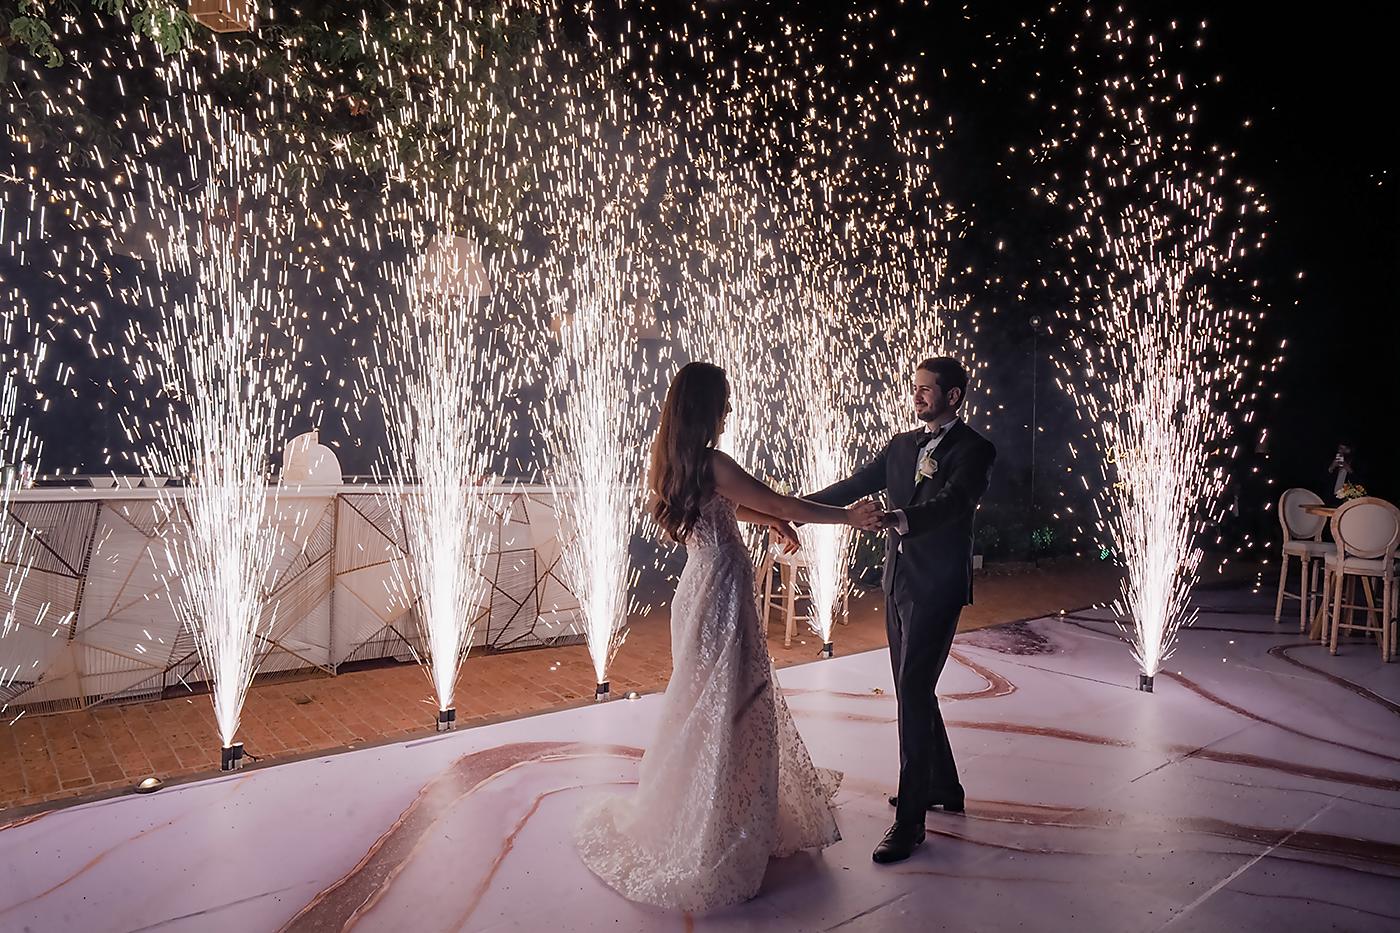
788 566
1302 538
1367 532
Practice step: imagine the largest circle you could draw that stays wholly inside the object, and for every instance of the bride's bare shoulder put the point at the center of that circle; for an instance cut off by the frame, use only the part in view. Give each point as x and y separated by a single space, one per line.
724 467
721 460
732 480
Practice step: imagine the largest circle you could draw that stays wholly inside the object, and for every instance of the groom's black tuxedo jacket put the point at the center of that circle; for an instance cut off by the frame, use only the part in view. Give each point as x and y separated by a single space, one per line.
936 558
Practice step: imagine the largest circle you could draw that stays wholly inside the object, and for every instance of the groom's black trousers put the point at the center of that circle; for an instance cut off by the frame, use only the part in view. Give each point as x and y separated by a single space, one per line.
920 635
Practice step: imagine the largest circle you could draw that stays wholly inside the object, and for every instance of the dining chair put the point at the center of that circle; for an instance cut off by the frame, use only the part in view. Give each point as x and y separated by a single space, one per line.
1302 538
1367 532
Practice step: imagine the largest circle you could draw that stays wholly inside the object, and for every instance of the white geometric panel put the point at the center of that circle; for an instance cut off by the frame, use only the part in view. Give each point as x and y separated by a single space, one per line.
296 519
57 533
109 675
555 597
525 584
148 516
378 589
352 628
129 635
296 616
127 571
515 529
29 654
44 600
365 534
98 616
58 680
305 642
543 522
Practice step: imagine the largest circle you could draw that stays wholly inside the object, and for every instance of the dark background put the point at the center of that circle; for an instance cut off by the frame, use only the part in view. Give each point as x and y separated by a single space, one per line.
1318 92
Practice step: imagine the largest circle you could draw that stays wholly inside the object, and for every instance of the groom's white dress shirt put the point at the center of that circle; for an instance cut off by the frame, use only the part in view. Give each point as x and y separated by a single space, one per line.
901 521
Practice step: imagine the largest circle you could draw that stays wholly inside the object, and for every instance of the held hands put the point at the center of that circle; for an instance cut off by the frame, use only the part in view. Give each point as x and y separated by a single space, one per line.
867 516
783 535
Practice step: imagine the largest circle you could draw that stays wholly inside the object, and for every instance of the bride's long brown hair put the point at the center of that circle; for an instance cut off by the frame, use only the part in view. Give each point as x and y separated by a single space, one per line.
681 475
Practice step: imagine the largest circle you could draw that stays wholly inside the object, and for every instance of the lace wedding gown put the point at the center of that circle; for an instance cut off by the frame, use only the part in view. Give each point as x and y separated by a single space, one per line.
727 783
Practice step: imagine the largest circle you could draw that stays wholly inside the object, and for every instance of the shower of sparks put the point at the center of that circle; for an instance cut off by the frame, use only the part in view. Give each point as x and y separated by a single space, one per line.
593 437
19 448
597 289
911 302
817 312
870 298
443 361
442 385
727 316
811 267
213 356
1157 337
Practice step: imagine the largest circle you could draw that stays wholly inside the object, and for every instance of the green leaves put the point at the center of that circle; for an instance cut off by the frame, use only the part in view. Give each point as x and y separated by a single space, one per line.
168 26
164 22
36 35
355 95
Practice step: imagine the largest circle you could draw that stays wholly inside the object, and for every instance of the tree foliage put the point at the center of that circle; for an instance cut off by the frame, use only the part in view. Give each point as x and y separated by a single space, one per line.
30 24
338 85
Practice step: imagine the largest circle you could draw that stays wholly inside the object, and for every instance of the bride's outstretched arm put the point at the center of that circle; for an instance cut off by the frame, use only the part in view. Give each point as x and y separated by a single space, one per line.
755 517
743 513
734 483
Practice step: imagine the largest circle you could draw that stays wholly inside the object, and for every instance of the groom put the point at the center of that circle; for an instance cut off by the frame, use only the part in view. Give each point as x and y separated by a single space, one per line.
935 476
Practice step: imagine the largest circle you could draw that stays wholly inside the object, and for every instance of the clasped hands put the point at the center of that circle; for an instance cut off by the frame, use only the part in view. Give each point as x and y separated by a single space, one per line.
867 515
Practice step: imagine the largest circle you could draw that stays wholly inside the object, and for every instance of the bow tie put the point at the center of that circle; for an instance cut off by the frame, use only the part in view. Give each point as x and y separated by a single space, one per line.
931 436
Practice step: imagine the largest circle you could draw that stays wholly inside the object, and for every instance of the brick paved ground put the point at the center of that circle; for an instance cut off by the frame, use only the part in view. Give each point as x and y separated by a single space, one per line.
63 756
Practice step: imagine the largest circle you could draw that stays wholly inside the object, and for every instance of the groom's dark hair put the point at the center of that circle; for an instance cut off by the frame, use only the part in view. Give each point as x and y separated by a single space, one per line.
950 373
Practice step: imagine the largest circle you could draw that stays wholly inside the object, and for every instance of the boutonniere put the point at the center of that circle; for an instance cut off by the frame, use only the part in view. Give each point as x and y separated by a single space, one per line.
927 466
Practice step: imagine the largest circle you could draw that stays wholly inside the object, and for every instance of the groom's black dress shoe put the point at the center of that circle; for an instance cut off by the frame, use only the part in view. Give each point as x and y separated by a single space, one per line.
948 806
899 843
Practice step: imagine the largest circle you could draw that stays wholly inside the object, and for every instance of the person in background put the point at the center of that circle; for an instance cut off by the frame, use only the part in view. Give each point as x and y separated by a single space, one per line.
1341 472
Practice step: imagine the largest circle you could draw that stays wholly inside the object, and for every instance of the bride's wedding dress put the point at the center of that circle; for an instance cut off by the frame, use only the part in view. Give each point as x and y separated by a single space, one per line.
727 782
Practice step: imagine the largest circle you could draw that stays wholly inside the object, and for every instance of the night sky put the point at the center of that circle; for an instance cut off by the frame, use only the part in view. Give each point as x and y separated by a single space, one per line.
1316 90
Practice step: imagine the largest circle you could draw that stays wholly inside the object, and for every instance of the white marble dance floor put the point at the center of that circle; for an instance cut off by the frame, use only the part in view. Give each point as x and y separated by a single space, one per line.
1257 790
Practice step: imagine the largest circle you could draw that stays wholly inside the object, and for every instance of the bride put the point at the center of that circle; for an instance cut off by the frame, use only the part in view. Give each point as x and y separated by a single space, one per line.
727 783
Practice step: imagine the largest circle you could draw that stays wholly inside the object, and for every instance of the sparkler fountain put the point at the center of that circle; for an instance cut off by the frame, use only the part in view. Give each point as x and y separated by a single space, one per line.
594 443
818 293
213 353
442 371
595 446
1156 369
1157 414
591 283
442 385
